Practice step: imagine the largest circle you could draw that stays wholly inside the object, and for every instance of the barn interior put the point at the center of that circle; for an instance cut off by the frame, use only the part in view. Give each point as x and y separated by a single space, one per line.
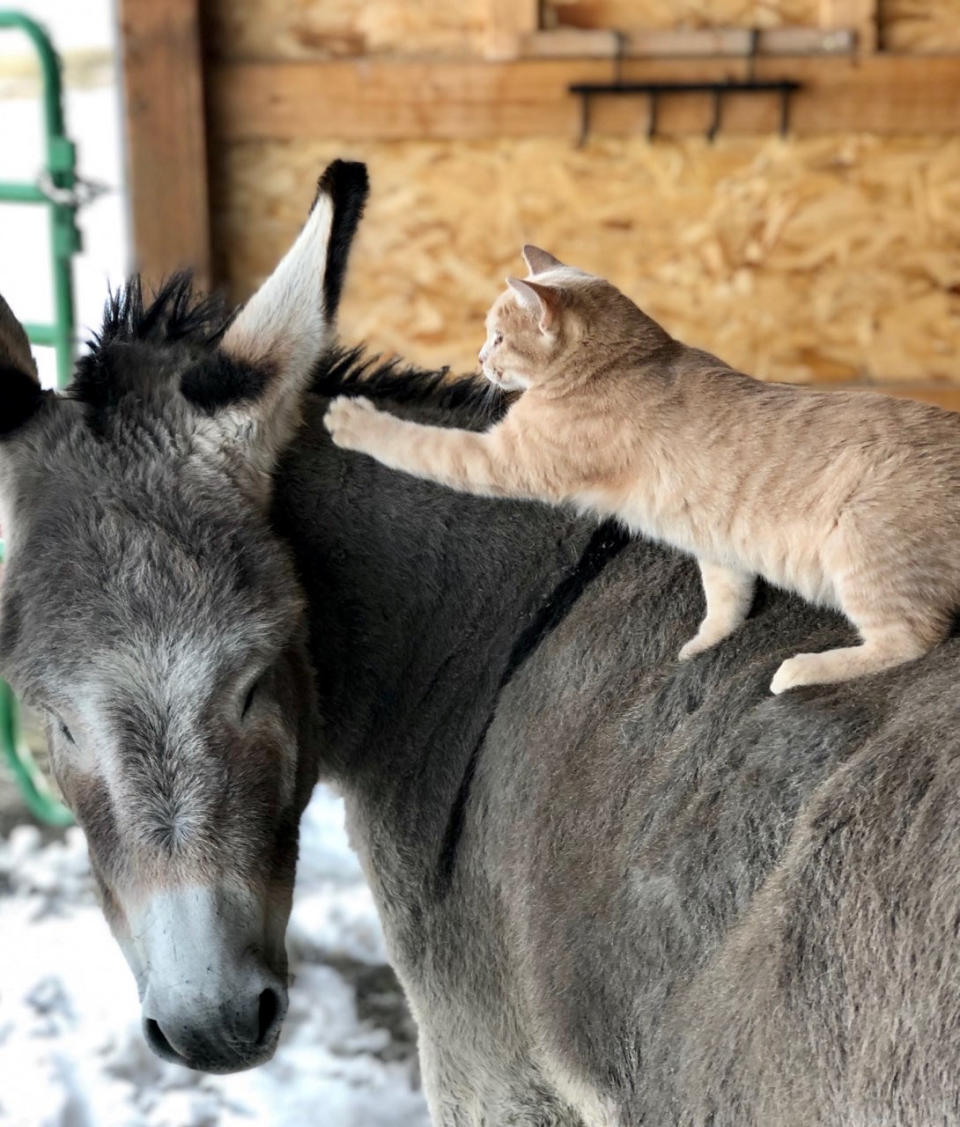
809 240
776 181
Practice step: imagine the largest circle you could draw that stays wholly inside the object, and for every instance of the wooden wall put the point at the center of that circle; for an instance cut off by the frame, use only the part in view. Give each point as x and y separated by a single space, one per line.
833 255
329 29
832 258
931 26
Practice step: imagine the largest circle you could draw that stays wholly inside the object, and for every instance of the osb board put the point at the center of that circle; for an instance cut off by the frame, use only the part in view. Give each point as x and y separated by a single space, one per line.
831 259
324 29
920 26
629 14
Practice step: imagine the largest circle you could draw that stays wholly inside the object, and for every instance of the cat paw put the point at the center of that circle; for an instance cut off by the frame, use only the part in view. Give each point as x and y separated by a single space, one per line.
804 669
349 419
695 646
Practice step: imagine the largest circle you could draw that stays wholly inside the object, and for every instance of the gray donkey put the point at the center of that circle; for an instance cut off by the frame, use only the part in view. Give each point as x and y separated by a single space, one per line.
619 889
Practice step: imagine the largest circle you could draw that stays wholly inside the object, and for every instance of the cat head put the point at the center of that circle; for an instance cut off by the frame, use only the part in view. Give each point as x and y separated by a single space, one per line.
556 323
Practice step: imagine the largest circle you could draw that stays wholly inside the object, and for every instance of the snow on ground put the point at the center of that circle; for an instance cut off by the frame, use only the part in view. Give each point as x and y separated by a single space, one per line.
71 1050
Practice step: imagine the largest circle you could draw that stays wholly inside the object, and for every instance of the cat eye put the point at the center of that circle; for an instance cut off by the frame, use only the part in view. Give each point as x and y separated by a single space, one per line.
497 338
64 731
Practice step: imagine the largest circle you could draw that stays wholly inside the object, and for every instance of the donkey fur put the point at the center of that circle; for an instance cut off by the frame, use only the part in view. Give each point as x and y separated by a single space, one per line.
671 899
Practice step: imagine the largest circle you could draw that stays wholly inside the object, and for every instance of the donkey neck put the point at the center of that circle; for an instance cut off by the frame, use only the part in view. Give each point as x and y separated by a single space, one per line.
417 596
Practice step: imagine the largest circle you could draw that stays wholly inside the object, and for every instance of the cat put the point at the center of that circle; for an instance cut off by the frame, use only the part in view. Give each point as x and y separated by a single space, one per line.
850 499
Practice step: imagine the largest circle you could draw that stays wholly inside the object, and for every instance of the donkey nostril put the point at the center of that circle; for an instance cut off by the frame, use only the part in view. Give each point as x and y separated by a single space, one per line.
158 1042
269 1009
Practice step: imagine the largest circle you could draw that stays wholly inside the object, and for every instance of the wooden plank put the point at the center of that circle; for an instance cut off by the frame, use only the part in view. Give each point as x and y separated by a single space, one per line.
166 137
383 100
509 22
860 15
629 15
685 43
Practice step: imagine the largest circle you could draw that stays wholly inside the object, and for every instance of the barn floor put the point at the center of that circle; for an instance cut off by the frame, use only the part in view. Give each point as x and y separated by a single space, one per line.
71 1050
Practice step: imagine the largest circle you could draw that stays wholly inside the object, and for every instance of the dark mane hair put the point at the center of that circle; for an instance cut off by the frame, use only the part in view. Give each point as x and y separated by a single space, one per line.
349 371
175 312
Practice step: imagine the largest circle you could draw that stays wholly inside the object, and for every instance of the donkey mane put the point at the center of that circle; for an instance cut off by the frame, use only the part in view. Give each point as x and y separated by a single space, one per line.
176 315
176 312
350 371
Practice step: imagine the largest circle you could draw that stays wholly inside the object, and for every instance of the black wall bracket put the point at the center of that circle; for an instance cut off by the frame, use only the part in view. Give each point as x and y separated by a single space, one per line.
587 91
785 87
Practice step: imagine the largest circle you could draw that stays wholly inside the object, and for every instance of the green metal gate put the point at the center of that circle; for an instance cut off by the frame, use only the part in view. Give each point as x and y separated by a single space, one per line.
58 189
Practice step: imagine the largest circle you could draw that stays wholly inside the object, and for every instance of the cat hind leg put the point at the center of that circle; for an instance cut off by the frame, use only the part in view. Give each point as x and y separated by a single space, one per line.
884 646
729 594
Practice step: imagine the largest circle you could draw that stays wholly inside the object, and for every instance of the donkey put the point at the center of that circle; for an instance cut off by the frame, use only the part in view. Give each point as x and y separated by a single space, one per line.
618 889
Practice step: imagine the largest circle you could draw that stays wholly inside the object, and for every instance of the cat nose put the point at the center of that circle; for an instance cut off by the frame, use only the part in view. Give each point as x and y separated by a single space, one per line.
482 355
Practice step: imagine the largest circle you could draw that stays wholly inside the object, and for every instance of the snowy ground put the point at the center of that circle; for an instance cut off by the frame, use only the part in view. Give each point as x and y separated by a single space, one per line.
71 1050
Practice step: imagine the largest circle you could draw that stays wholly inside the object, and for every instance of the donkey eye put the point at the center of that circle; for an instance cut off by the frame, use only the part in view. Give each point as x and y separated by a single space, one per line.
248 699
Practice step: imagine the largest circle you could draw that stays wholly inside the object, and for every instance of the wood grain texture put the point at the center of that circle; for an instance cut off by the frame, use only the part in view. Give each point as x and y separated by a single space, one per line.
467 100
920 26
685 43
325 29
829 259
629 14
166 137
509 22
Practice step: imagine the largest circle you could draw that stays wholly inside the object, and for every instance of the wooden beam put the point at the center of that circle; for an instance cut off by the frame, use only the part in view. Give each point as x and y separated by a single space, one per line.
166 137
629 16
385 100
509 22
685 43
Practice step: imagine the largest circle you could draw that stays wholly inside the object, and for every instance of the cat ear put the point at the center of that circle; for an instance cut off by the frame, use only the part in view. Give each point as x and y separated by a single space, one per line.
538 260
539 299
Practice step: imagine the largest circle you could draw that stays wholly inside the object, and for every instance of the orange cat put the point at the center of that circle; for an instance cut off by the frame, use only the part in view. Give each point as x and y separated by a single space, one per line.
850 499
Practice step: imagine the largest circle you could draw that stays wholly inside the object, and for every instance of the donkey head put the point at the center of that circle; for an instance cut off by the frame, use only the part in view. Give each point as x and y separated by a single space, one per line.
153 616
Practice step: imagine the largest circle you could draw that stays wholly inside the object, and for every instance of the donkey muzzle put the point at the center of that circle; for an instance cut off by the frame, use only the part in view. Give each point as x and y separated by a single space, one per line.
236 1033
212 997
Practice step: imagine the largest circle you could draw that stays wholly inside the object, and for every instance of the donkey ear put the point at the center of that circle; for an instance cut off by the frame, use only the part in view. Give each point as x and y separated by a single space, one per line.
538 260
20 393
542 300
290 320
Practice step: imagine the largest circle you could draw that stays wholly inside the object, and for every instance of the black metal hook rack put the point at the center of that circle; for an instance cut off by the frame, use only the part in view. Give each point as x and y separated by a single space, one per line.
783 87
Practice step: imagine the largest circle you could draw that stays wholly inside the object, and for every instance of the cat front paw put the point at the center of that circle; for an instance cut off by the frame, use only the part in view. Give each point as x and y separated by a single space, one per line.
695 646
802 669
350 420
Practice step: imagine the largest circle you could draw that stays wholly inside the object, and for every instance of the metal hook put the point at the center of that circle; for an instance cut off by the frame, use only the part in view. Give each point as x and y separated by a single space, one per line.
654 103
783 87
584 118
714 127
